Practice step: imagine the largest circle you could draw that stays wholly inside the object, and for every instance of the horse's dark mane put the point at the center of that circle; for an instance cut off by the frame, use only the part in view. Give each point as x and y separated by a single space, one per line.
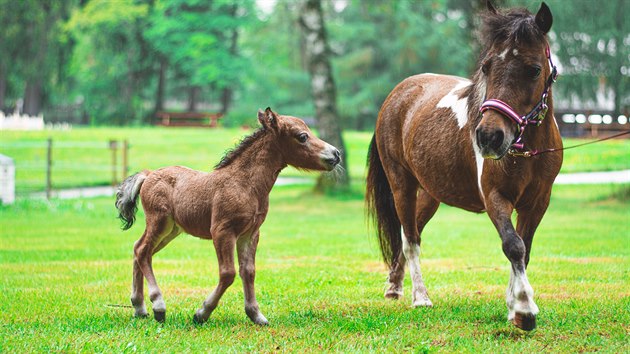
246 142
514 25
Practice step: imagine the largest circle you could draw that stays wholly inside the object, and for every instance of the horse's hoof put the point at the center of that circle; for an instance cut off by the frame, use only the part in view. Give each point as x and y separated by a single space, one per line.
141 315
524 321
198 319
422 303
159 316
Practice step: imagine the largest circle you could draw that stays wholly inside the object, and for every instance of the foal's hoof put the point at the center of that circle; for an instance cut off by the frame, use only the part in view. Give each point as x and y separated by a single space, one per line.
524 321
141 315
159 316
198 319
393 294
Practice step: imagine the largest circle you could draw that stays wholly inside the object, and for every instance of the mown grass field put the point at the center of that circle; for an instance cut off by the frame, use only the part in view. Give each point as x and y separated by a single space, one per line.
81 157
319 281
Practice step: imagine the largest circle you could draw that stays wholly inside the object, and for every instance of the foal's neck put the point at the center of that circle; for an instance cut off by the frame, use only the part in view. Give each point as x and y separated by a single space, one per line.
258 165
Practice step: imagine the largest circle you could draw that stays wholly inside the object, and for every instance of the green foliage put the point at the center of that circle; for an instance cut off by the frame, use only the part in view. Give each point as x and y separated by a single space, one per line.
107 59
111 56
66 266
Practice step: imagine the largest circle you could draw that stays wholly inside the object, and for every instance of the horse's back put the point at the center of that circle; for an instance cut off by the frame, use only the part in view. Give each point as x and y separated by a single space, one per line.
423 126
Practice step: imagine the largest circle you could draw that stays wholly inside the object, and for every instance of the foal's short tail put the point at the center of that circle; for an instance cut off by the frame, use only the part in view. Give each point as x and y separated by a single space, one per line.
380 207
127 198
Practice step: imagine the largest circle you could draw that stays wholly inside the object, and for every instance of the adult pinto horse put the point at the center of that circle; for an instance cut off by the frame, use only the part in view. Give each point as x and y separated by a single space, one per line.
227 206
445 139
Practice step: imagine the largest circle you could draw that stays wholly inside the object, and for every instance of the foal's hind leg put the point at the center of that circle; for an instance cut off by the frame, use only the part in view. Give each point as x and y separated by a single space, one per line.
224 245
159 232
246 248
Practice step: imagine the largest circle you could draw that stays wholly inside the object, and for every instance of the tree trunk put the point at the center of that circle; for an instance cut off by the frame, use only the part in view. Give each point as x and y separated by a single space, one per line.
3 86
193 98
33 97
317 54
159 94
228 92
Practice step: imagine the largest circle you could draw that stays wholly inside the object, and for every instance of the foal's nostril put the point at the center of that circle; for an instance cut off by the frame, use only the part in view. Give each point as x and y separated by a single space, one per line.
337 154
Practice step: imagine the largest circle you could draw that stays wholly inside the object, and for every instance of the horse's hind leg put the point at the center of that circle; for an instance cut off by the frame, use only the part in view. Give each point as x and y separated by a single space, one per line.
224 245
246 249
160 230
425 208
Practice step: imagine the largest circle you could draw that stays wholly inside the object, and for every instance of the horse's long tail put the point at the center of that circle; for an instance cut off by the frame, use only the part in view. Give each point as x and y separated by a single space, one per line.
380 207
127 198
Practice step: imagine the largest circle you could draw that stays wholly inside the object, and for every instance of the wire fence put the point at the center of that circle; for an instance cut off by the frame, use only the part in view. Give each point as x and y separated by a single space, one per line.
42 166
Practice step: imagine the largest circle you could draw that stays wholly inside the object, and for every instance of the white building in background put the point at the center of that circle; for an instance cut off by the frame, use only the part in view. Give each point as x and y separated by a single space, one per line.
17 121
7 180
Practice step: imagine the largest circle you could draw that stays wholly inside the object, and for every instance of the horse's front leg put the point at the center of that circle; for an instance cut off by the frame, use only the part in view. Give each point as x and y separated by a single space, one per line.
522 309
246 249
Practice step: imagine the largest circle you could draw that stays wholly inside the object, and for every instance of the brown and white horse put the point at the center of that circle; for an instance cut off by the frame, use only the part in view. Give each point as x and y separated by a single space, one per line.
445 139
227 206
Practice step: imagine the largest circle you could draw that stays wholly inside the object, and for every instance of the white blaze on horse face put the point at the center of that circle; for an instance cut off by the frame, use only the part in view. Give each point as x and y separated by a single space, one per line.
503 54
419 291
520 296
515 52
459 106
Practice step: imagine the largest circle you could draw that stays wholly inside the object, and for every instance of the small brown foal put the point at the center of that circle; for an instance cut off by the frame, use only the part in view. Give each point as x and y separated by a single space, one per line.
227 206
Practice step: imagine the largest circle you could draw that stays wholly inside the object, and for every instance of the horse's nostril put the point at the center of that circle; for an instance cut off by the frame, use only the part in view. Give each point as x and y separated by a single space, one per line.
337 153
497 139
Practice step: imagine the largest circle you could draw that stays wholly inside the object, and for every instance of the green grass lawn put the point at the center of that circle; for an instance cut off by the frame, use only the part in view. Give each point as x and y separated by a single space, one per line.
319 281
81 157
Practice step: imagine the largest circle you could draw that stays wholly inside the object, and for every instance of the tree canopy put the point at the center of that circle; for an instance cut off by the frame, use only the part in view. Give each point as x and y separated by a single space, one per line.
124 60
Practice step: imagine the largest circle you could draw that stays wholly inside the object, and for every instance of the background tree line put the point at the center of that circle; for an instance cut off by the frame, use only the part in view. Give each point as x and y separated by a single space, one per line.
121 61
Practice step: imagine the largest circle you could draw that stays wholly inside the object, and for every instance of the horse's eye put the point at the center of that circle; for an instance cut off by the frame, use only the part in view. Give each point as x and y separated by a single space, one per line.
485 67
533 71
302 137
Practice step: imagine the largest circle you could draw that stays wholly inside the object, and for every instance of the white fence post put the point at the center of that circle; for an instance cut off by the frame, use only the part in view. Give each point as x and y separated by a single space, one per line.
7 180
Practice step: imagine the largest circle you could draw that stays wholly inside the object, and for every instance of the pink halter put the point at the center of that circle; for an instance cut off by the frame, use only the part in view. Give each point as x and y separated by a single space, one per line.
534 117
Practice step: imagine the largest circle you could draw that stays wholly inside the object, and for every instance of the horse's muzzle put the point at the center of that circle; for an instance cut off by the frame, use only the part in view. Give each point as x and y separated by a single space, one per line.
492 143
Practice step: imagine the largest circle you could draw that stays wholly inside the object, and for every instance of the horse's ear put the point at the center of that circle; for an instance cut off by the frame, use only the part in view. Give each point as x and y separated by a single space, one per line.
268 118
544 19
491 7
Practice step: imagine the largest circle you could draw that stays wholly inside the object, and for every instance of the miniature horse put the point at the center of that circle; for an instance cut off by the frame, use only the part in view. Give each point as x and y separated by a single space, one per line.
227 206
445 139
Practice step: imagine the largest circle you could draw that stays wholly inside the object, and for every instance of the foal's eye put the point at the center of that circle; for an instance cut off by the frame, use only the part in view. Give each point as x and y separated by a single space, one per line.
533 71
302 137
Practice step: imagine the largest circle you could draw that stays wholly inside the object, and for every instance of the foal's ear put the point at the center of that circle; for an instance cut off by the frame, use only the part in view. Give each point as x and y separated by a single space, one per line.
491 7
268 118
544 19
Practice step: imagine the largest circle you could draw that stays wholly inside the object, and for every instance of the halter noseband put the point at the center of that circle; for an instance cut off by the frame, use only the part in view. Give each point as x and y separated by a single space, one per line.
534 117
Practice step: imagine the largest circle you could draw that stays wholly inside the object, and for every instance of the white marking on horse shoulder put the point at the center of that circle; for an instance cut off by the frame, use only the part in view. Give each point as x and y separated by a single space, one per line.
503 54
458 105
515 52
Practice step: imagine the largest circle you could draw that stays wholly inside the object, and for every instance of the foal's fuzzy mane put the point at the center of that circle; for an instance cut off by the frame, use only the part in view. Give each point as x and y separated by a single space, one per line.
246 142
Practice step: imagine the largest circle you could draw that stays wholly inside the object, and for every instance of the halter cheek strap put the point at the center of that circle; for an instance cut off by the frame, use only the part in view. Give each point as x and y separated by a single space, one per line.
534 117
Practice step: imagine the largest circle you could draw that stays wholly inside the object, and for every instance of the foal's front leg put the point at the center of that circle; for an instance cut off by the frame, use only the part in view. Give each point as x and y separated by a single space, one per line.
224 245
522 309
246 248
